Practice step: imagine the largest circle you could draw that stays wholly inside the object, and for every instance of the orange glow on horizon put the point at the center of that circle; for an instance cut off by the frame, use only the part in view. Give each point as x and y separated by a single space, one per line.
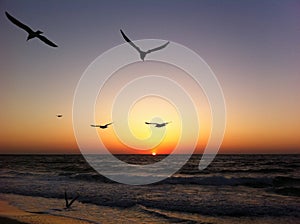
250 128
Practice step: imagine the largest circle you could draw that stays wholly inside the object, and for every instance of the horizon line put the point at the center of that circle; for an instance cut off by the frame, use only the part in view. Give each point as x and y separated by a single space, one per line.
241 153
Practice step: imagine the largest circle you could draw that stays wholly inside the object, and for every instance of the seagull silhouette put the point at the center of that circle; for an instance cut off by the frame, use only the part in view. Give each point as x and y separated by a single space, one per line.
59 115
158 125
101 126
31 33
68 205
143 53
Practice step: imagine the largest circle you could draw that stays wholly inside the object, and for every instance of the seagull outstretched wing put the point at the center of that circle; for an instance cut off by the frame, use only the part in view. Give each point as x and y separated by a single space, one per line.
45 40
158 48
95 126
130 42
18 23
150 123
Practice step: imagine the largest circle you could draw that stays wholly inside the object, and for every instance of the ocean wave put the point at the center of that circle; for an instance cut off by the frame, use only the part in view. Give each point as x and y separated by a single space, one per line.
237 170
168 217
91 177
287 191
222 181
226 209
286 181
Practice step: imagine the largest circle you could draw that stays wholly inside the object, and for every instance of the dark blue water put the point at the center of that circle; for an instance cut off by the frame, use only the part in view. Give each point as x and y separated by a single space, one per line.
233 186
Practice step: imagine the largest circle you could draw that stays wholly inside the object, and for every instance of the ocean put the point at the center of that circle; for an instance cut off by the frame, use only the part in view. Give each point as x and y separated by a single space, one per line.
232 189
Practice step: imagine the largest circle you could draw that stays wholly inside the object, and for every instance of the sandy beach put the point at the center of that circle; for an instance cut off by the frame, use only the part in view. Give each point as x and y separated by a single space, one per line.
12 215
40 212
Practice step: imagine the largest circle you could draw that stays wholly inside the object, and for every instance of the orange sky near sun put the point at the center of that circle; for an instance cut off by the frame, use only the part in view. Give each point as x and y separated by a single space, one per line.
250 128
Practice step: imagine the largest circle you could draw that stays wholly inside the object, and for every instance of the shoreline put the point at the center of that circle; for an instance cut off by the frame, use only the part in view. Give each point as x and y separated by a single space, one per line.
45 211
10 214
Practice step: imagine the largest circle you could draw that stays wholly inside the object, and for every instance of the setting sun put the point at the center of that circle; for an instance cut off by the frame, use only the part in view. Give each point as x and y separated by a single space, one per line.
153 153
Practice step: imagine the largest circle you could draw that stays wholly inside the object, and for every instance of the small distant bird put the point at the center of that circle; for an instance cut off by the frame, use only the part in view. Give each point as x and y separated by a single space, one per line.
31 33
101 126
59 115
158 125
68 205
143 53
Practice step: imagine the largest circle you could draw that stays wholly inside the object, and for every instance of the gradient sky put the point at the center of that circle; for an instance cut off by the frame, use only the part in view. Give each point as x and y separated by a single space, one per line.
253 47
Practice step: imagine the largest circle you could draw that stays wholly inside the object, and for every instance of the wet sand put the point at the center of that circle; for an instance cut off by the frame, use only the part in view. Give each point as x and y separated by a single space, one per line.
12 215
38 209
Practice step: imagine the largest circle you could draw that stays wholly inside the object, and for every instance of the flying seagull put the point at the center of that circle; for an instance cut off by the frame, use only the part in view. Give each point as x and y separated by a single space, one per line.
158 125
31 33
143 53
101 126
68 205
59 115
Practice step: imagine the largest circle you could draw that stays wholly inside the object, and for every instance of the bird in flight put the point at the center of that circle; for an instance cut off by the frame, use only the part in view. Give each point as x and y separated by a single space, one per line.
101 126
68 205
143 53
31 33
59 115
158 125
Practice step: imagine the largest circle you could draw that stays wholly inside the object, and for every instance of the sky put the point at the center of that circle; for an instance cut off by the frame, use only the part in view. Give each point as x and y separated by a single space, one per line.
253 48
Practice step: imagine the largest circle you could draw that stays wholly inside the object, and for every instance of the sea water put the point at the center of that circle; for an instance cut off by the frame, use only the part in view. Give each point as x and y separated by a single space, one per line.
233 189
